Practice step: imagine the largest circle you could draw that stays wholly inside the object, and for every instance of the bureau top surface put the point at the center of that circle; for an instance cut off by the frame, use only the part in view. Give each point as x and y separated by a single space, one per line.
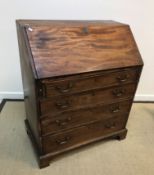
61 48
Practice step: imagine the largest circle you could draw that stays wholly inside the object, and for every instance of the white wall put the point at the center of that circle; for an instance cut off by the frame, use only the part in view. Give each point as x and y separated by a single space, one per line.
139 14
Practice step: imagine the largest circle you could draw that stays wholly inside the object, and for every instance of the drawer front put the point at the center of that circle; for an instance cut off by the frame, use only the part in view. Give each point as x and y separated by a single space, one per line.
81 135
77 101
67 120
77 85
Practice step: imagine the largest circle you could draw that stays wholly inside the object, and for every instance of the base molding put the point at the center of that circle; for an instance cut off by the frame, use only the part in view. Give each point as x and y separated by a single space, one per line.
144 98
10 95
19 95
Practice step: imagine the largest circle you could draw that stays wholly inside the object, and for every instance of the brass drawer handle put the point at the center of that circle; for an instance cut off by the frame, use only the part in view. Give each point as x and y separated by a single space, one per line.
63 104
118 92
122 78
63 141
115 109
110 125
63 122
65 89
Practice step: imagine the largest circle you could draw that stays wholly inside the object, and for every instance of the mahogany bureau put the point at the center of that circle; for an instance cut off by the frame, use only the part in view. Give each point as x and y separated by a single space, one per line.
79 80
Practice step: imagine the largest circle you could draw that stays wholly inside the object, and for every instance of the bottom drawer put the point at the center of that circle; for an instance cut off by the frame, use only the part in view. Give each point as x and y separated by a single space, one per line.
81 135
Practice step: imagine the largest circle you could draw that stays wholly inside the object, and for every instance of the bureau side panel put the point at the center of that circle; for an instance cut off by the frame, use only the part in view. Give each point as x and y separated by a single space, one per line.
29 85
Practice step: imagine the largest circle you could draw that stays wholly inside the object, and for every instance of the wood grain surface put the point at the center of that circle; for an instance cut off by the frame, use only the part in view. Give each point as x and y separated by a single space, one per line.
70 86
59 123
60 142
86 99
66 48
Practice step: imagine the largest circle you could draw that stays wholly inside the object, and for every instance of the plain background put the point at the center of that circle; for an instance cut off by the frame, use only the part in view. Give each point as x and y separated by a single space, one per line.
139 14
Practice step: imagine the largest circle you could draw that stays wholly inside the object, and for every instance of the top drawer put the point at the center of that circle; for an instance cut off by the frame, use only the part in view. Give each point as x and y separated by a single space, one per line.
81 83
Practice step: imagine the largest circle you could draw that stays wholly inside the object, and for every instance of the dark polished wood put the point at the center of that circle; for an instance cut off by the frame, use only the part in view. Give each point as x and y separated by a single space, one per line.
67 120
85 82
77 101
29 83
60 142
73 48
79 80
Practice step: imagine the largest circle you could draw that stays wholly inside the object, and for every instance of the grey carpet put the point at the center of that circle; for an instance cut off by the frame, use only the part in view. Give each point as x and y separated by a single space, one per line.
132 156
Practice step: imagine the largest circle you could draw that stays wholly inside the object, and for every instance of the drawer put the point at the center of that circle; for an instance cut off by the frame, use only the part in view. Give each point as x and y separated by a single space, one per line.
85 134
82 100
67 120
52 88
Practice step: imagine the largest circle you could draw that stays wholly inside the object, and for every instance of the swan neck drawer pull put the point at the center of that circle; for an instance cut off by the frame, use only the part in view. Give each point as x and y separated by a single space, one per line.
110 125
63 141
64 89
118 92
122 78
115 109
63 122
63 104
